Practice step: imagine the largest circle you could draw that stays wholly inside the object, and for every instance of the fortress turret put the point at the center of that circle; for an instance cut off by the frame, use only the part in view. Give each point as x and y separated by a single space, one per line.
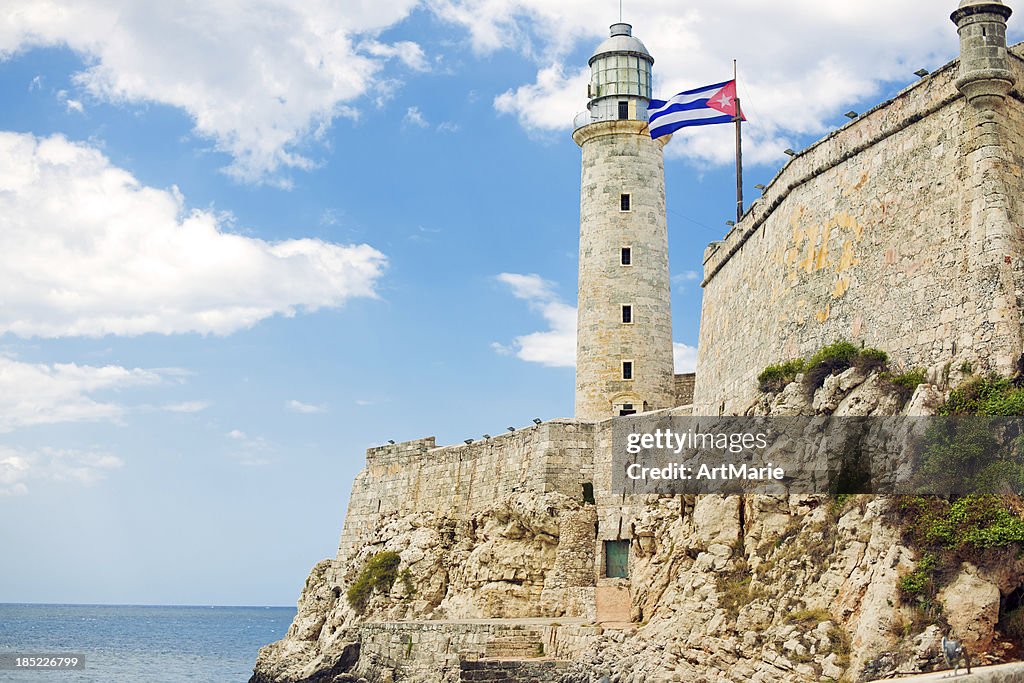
984 68
624 339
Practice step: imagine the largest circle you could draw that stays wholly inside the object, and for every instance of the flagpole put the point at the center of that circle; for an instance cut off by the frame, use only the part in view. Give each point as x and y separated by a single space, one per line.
739 149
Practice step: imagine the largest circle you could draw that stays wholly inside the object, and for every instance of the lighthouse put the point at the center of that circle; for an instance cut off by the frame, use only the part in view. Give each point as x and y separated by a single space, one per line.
624 326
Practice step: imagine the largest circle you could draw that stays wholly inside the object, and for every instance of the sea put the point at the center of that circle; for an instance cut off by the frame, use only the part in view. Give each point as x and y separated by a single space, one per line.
140 644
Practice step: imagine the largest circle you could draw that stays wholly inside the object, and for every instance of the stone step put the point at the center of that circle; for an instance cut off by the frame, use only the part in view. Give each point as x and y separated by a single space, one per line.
514 647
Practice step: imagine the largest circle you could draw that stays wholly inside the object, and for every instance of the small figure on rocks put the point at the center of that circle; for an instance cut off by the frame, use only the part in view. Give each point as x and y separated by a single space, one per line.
954 652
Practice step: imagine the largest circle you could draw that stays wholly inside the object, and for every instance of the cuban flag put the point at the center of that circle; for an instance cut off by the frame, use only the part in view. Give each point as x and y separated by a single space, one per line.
701 107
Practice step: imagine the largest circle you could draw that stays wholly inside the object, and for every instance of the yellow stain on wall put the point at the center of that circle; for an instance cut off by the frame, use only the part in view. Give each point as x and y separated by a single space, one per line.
847 222
821 251
823 314
848 258
809 251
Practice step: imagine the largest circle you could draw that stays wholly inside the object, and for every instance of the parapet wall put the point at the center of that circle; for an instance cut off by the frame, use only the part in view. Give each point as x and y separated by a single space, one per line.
417 476
900 230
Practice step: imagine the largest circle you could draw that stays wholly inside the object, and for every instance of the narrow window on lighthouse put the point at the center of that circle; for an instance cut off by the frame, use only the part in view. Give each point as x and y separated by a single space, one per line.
627 314
623 110
623 202
627 369
627 256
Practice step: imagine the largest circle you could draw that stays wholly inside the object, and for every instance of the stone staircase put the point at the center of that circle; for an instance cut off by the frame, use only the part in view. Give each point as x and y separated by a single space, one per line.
514 642
513 654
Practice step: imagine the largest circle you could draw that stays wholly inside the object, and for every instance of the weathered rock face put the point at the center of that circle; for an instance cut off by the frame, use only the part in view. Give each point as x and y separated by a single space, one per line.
801 590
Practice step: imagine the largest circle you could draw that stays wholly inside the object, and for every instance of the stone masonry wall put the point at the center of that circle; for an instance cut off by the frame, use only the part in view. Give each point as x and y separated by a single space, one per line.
901 231
684 388
417 476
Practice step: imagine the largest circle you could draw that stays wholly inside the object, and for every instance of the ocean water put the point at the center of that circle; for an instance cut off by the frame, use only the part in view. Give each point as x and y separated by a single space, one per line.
137 644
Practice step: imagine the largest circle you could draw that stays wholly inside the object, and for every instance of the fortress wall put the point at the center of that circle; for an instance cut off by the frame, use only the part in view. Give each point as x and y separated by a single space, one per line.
417 477
873 235
684 388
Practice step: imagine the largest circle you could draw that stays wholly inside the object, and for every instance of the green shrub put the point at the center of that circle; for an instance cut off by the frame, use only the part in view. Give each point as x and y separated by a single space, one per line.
992 395
920 584
904 384
379 574
829 360
774 378
967 525
869 360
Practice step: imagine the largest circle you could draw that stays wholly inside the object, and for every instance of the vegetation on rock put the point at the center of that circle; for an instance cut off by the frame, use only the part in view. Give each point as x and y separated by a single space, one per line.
905 383
829 360
992 395
775 377
379 574
832 359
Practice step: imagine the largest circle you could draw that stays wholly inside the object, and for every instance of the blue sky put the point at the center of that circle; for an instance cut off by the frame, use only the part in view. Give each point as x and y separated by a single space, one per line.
238 249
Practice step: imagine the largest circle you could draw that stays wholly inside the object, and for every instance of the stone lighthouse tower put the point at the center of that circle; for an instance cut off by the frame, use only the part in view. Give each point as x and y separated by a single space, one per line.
624 330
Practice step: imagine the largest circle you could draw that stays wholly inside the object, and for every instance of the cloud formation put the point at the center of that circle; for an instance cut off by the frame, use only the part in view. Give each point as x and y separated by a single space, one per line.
265 83
40 393
555 347
685 357
87 250
304 408
19 466
261 81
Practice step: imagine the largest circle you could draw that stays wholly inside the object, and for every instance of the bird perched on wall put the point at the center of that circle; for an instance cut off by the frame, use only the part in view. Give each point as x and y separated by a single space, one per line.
954 652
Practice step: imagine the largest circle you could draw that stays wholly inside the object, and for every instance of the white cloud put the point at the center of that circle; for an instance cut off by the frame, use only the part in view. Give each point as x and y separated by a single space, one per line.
304 408
37 393
530 287
187 407
409 53
543 105
70 104
801 62
554 347
685 357
260 80
686 276
86 250
414 117
18 467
